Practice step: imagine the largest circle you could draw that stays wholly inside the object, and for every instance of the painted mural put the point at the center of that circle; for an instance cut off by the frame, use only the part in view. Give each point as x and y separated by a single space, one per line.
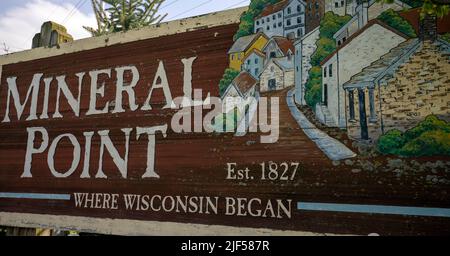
366 74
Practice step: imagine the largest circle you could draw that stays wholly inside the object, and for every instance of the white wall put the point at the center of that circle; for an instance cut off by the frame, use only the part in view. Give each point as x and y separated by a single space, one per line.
362 51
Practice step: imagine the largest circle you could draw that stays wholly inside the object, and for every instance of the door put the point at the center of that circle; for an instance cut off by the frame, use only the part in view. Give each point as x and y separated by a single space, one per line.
272 84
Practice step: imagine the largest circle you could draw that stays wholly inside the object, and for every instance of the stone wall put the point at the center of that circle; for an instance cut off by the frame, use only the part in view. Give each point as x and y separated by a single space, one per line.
419 88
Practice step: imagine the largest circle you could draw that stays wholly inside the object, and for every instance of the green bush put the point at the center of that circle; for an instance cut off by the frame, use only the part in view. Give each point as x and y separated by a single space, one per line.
429 138
394 20
228 77
446 37
391 142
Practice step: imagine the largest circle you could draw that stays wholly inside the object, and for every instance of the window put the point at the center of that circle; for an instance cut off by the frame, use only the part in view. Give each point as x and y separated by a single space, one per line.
279 15
268 28
339 43
232 56
289 57
262 21
317 5
336 5
273 55
268 19
274 17
299 20
280 24
310 6
256 71
344 39
299 32
288 22
248 62
330 70
299 8
274 25
272 69
342 3
325 72
256 61
257 22
289 10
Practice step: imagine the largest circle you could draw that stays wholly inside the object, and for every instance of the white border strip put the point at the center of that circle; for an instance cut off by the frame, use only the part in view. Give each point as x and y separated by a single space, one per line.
168 28
135 227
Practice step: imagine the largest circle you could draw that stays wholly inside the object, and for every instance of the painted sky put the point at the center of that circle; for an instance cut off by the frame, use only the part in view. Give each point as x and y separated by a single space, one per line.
21 19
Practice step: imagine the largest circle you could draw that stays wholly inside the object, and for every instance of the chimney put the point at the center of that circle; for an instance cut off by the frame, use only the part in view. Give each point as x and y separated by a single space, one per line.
428 28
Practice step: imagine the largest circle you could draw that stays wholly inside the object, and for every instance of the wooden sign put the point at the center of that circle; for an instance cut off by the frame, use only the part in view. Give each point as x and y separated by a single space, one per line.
132 134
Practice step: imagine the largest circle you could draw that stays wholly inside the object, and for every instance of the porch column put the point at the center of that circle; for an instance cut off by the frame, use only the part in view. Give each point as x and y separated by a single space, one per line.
362 114
351 103
373 115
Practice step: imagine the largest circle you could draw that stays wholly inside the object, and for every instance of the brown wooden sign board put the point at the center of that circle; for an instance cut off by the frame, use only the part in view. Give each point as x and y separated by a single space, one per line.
94 148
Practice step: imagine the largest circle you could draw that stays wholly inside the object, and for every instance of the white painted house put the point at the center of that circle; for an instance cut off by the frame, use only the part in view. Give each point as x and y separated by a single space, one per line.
359 51
278 74
254 63
304 48
286 18
239 92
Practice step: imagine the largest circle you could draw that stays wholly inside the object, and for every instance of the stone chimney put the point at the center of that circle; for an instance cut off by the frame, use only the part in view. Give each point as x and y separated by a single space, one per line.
428 28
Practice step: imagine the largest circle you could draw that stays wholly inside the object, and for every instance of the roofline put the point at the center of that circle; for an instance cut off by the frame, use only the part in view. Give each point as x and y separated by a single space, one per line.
210 20
256 51
359 32
288 1
305 36
256 36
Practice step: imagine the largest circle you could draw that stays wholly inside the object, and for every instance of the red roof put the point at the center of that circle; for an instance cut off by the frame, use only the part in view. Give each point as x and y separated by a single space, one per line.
359 32
244 82
284 44
273 8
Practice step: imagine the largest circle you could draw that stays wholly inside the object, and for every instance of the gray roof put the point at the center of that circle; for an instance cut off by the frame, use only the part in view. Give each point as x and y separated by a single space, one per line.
284 63
385 66
242 43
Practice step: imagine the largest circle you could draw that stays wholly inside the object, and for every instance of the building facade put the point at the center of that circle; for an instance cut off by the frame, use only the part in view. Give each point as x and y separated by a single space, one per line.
400 89
254 63
243 46
278 74
361 50
290 18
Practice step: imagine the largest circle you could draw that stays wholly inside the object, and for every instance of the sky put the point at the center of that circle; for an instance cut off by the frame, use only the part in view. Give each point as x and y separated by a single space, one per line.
20 20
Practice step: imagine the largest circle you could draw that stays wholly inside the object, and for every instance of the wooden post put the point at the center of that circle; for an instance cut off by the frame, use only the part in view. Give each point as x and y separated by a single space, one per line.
362 114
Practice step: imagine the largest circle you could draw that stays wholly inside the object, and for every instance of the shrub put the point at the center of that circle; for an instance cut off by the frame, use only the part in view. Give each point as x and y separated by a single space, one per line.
446 37
228 77
394 20
430 137
391 142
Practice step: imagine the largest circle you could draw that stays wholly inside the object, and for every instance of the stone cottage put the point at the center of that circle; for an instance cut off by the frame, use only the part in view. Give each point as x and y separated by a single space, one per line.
400 89
278 47
277 75
359 51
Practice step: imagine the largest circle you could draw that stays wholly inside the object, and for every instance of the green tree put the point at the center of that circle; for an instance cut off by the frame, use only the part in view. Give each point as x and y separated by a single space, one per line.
122 15
394 20
326 44
229 75
247 25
